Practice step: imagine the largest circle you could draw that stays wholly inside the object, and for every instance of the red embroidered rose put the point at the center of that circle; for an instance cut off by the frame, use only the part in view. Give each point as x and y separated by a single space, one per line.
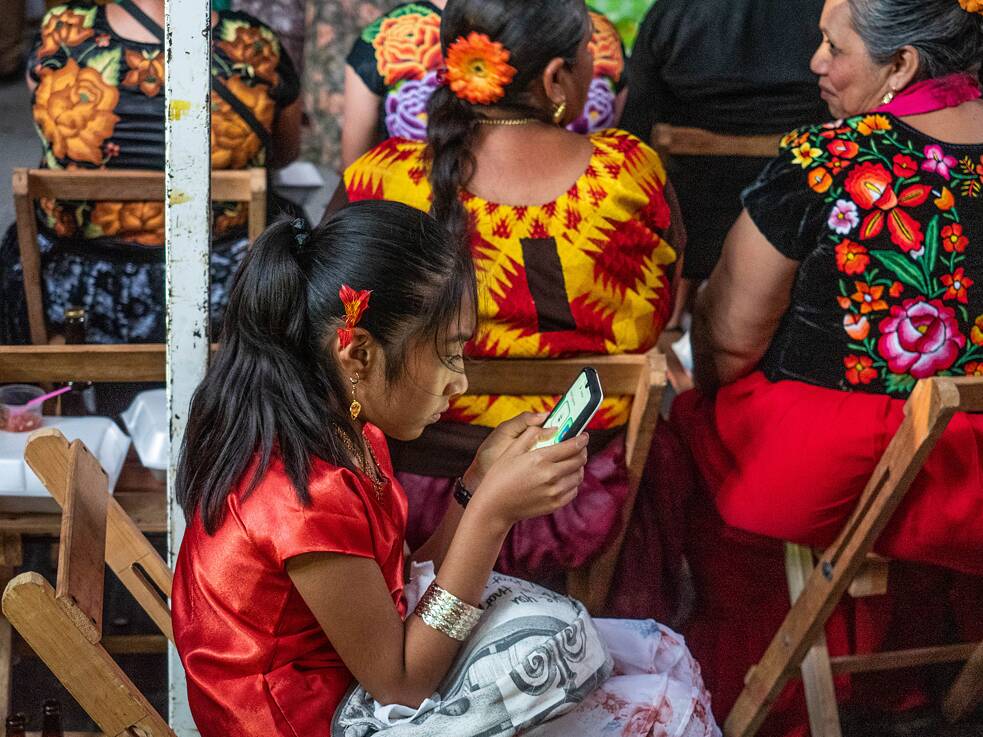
920 338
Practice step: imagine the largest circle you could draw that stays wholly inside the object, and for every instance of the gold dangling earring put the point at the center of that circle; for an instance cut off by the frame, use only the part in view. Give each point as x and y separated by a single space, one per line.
886 100
559 110
355 408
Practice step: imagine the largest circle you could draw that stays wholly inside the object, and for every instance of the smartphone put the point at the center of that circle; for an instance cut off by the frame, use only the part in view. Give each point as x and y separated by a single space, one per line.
575 409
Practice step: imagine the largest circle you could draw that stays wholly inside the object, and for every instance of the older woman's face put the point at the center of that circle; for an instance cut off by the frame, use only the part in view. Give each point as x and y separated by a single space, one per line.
849 80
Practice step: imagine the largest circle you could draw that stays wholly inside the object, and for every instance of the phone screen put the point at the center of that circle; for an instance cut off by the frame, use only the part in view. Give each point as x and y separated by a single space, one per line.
583 395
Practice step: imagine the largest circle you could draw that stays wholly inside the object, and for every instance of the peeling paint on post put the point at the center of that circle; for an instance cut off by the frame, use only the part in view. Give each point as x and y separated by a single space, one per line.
187 49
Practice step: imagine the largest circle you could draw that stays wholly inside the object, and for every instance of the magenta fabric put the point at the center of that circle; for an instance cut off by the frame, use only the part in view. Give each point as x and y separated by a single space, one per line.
931 95
545 546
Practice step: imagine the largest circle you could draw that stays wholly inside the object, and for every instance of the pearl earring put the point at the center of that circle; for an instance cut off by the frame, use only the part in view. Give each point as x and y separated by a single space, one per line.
886 100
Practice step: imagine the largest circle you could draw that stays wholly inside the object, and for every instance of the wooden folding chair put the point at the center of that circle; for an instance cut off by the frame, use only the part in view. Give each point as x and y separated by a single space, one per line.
800 642
63 625
123 185
640 376
61 363
128 552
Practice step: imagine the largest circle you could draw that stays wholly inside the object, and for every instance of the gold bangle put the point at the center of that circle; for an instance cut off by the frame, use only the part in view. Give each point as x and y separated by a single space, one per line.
444 612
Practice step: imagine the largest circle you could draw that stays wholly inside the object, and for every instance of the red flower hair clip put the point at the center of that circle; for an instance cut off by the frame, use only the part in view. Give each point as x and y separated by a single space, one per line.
356 303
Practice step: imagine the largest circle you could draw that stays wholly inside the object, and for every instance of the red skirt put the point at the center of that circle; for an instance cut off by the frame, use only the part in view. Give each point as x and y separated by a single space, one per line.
788 461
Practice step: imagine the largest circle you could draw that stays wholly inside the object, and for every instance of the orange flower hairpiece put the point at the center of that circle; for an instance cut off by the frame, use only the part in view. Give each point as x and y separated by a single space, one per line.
972 6
478 70
356 303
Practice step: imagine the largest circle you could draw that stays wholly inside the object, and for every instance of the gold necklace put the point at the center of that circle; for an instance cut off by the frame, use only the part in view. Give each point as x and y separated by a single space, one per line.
374 475
506 121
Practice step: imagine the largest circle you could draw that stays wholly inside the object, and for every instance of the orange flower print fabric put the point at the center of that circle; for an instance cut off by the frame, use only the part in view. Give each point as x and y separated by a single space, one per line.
64 27
585 274
407 44
235 145
606 48
889 238
87 76
253 50
133 222
398 57
73 108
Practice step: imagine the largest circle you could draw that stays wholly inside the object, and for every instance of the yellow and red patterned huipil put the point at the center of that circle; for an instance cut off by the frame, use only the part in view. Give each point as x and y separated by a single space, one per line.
583 274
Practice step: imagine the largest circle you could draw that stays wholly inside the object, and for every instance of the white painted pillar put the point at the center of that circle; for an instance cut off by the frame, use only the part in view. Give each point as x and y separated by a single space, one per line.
187 50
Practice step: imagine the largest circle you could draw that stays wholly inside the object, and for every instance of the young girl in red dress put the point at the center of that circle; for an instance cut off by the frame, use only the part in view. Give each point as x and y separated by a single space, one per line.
290 580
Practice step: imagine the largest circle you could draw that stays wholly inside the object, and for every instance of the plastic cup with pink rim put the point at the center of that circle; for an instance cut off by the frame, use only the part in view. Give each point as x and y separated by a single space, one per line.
20 406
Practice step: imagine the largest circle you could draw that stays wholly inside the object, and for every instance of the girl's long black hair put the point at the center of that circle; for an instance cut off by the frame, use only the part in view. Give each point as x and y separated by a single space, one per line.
273 386
535 32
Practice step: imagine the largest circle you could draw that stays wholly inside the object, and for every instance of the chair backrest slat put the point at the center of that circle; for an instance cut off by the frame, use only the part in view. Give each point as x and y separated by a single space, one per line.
81 562
87 362
127 551
244 185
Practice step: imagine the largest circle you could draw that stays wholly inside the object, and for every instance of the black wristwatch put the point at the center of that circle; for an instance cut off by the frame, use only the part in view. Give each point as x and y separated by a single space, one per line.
461 495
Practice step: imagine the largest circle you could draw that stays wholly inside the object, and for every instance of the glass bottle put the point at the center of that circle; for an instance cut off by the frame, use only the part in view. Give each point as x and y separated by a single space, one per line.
82 399
16 725
51 719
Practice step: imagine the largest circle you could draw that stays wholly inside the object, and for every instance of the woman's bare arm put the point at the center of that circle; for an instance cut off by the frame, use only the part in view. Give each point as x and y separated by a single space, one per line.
360 125
740 307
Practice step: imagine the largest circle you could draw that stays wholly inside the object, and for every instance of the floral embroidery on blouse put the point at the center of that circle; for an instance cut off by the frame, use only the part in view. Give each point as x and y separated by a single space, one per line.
897 225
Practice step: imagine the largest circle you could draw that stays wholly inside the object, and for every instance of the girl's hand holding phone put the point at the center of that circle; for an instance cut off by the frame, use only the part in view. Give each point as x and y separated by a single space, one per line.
525 481
497 443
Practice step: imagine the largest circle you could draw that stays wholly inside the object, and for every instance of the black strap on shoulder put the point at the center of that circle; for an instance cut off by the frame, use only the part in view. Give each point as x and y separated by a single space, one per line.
142 18
244 112
218 85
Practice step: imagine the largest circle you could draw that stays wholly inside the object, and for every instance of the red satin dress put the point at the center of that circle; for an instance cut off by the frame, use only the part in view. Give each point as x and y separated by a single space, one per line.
258 663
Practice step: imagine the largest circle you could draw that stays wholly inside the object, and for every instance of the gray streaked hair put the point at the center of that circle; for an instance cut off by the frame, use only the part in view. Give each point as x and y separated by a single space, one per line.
948 39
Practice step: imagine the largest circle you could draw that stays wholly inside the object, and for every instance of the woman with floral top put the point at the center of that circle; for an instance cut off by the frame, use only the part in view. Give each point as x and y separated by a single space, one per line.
392 73
855 270
96 73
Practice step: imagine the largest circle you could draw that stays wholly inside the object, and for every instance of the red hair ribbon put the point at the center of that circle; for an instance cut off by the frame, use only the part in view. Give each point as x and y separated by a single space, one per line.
356 303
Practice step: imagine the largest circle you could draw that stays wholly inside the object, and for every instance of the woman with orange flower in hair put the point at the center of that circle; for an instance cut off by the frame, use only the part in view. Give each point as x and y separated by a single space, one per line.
575 239
393 69
97 76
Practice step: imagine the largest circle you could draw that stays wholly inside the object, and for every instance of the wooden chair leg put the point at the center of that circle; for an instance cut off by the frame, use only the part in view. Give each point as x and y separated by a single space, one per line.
966 693
10 557
30 256
926 414
817 674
